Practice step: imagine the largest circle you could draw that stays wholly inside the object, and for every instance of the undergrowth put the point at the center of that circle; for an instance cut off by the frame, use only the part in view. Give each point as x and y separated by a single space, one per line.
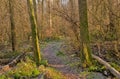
27 69
96 67
117 67
60 53
55 38
51 73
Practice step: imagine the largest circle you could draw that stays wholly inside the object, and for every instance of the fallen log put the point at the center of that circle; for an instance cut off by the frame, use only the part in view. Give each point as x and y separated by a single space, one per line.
16 60
12 63
108 66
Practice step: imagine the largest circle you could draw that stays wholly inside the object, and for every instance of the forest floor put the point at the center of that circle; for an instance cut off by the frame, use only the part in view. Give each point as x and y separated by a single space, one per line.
60 58
66 64
50 53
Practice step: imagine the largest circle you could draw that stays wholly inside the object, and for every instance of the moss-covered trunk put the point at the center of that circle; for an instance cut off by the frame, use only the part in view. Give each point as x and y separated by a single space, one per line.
13 34
84 34
35 8
36 12
33 22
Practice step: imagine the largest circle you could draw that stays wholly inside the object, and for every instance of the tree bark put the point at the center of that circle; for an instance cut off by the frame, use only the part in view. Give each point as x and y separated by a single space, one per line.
34 26
42 22
50 3
84 34
12 23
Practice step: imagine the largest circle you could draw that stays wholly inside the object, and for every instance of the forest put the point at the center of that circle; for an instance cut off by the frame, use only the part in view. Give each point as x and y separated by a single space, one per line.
59 39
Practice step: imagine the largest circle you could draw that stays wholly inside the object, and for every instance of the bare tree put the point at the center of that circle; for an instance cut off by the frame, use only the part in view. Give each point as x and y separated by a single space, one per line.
13 33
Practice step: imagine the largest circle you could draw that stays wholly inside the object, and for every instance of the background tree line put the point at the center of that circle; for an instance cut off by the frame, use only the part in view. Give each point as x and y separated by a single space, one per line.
60 19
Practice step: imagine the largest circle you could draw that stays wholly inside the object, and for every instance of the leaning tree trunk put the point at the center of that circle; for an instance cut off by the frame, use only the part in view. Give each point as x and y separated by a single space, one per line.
35 13
13 34
33 22
35 8
84 34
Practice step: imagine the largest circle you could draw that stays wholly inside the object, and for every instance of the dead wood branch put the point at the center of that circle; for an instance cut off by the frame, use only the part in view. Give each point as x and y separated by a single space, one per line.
12 63
108 66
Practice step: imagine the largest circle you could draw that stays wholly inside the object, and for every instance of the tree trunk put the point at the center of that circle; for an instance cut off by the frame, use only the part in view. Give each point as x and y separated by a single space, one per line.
112 26
84 34
35 12
50 3
42 22
50 14
13 34
35 8
33 22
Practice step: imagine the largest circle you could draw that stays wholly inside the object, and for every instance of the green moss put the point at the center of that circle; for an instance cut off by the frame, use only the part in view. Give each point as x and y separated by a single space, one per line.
59 53
44 62
87 55
51 73
25 69
33 22
2 77
117 67
5 77
96 67
84 74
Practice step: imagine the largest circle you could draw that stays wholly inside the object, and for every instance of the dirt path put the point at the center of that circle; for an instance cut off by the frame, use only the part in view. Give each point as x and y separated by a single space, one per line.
61 63
57 62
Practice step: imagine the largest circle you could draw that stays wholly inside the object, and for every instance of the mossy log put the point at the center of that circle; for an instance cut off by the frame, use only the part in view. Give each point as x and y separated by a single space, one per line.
8 66
108 66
